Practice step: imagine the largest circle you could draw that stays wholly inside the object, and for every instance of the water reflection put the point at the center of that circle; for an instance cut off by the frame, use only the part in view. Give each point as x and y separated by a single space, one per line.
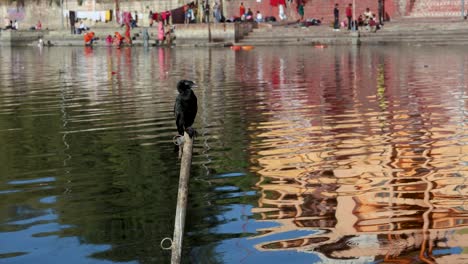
304 155
371 154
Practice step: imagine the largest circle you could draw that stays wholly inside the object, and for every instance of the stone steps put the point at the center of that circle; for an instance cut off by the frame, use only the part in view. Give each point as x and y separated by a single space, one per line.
291 33
436 8
424 33
348 41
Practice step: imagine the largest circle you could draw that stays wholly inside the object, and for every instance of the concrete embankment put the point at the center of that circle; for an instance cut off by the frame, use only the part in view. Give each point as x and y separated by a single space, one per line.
405 31
182 35
20 37
264 34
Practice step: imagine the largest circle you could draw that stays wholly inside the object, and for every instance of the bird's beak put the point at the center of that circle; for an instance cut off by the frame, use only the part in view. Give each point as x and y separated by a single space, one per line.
194 85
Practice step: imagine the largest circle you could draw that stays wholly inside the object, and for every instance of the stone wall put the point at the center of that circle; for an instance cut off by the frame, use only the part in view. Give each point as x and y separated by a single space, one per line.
20 38
313 8
437 8
193 34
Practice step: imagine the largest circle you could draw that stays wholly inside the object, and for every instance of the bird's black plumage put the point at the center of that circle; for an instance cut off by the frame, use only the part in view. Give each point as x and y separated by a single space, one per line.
185 107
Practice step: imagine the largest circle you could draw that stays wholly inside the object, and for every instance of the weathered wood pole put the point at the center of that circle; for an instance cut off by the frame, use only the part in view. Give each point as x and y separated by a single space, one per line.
182 195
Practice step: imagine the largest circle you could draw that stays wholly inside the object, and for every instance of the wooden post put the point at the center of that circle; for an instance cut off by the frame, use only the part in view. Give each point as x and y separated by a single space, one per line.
185 165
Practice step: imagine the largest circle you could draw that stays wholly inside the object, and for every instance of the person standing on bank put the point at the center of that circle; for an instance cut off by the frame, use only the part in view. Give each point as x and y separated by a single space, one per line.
336 15
161 32
300 10
381 12
71 17
207 12
150 18
217 11
349 15
241 10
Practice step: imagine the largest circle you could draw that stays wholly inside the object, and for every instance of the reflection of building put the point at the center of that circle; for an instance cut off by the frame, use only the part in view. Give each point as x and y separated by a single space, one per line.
380 176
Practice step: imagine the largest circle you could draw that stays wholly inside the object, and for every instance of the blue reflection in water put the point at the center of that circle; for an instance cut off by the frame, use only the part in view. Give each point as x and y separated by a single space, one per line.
226 188
40 180
48 200
247 253
59 249
236 218
448 251
229 175
46 217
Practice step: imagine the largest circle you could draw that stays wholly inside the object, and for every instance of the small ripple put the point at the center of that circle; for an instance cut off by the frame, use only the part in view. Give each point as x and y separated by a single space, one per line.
229 175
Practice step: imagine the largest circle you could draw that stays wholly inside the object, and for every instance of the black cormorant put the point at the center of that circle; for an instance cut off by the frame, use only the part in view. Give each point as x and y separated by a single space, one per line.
185 107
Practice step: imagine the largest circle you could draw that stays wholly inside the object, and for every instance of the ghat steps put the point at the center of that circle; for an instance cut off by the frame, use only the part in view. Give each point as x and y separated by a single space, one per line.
437 8
404 31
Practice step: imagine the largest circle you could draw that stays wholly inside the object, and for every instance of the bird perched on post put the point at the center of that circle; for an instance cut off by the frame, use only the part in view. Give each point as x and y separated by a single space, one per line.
185 107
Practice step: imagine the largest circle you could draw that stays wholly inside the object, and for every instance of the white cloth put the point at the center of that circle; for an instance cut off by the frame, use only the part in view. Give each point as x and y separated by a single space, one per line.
282 15
91 15
259 17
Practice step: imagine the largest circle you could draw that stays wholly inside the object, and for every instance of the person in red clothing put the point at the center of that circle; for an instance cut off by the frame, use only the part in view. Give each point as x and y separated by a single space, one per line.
163 17
128 37
118 39
89 38
373 26
241 9
155 16
349 14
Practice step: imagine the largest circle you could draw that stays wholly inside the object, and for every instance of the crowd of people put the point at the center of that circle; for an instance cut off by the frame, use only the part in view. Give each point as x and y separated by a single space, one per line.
14 25
368 20
246 14
163 16
163 36
208 11
9 24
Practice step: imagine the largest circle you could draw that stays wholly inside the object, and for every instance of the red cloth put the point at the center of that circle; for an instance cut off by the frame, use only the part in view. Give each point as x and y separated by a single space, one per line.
126 17
282 2
274 2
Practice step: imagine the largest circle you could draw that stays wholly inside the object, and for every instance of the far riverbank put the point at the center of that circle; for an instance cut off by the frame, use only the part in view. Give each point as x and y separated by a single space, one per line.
404 31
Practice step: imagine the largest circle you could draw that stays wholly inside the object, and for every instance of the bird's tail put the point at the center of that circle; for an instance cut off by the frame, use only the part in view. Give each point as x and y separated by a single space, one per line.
191 132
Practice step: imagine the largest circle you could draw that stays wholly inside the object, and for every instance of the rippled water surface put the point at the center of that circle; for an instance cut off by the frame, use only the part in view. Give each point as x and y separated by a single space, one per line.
304 155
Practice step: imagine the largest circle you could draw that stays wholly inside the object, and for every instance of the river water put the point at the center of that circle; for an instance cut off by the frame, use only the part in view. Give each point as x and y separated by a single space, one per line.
304 155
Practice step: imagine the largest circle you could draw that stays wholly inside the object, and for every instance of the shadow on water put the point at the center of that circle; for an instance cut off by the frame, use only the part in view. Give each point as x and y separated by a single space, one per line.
308 155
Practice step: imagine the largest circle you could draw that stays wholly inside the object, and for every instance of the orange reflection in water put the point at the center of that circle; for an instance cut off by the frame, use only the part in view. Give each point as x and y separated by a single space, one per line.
373 157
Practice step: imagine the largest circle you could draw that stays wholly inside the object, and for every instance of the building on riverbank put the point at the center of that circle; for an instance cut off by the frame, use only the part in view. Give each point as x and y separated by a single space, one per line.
50 12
